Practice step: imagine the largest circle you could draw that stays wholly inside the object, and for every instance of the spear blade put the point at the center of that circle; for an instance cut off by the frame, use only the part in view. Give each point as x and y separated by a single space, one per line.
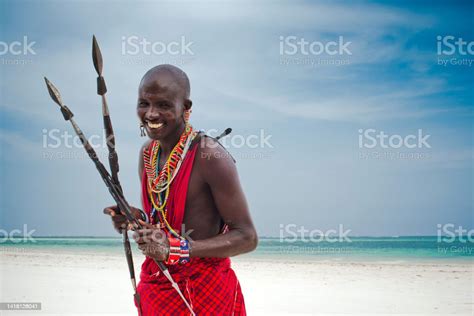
96 56
97 59
53 92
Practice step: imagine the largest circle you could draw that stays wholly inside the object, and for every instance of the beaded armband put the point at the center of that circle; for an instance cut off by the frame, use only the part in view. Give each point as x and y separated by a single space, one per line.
179 251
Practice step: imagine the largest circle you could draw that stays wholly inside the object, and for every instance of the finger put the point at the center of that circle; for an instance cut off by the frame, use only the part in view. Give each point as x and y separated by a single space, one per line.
147 236
120 225
119 218
145 224
109 211
144 232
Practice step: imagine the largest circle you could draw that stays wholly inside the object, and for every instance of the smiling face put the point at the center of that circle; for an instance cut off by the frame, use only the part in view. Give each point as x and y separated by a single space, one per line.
163 96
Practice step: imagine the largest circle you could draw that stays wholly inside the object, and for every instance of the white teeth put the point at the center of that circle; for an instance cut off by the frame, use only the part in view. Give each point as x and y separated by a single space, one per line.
151 125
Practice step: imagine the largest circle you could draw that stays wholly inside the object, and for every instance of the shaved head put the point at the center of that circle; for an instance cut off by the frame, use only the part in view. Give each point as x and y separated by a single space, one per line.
167 76
163 100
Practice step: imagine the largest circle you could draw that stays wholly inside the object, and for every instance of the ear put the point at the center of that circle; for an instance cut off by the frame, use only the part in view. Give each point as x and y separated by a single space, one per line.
188 104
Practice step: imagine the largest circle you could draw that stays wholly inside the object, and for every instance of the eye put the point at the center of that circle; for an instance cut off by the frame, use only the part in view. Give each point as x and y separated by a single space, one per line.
142 104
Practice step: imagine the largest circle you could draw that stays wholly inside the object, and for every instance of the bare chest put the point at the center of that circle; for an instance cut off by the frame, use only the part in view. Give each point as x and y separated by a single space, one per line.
201 213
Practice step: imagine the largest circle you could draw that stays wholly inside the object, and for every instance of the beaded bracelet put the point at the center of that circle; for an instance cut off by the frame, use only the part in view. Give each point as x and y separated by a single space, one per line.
184 251
179 251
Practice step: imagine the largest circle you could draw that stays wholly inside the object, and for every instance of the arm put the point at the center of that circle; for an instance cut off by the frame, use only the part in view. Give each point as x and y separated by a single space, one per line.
218 170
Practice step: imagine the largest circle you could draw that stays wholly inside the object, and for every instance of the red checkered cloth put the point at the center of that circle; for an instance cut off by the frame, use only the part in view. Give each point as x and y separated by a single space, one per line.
209 284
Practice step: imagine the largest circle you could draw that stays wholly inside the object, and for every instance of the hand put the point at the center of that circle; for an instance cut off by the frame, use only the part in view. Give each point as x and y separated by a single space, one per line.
119 220
152 241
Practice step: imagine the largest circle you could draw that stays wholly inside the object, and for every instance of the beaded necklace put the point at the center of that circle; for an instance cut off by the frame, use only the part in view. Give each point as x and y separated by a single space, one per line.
159 181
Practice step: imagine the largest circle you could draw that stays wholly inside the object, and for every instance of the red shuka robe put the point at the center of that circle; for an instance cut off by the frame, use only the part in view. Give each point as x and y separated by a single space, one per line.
209 284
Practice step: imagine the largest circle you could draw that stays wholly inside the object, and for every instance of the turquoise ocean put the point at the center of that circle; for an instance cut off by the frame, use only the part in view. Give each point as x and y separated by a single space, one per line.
356 248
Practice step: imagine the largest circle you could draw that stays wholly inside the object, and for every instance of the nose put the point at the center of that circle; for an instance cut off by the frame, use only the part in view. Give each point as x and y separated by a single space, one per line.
152 113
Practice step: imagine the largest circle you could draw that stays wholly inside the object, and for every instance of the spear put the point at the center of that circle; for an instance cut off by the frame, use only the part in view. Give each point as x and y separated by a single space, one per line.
113 157
109 131
114 168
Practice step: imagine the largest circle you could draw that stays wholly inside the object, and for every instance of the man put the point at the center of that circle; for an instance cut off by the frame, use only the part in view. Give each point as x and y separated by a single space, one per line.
191 194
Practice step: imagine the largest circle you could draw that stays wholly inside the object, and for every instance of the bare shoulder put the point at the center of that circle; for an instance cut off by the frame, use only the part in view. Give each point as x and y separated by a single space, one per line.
214 160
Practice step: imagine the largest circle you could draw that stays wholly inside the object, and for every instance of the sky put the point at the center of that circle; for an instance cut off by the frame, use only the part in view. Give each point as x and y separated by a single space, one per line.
305 86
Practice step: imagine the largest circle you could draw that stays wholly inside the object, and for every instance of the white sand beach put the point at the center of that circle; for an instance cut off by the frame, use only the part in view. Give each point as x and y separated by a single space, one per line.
93 284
